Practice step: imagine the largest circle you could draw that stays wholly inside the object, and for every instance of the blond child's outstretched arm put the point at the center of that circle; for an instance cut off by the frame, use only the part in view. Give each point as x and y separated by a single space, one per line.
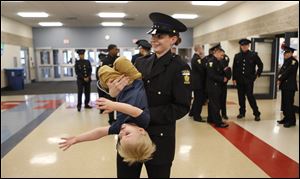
109 106
87 136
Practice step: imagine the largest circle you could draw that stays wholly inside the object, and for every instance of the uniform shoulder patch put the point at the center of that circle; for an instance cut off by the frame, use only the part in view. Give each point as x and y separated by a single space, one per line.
186 76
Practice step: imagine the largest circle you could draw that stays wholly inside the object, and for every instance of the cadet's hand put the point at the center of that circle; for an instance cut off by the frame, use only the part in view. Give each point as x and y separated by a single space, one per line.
105 104
234 82
86 79
117 85
69 141
278 82
225 79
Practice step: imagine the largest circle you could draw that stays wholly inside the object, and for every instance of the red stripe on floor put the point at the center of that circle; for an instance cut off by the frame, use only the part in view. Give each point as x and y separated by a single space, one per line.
270 160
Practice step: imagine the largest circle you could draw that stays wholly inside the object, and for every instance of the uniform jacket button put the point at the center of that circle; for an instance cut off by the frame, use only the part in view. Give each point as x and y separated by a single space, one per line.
148 81
159 92
161 134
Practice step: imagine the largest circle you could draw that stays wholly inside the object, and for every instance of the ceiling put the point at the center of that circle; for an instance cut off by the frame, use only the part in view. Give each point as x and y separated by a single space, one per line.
84 13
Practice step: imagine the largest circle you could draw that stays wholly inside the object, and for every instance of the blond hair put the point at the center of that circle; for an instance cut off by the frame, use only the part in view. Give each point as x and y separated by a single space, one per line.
140 151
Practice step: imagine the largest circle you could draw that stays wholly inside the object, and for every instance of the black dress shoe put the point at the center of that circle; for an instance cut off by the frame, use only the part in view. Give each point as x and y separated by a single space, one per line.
257 118
287 125
200 120
240 116
190 114
225 117
222 125
281 121
78 108
88 107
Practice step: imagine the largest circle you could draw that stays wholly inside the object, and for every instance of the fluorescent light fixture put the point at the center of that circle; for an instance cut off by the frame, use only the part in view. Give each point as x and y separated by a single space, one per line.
33 14
121 2
185 16
208 3
111 14
112 24
50 24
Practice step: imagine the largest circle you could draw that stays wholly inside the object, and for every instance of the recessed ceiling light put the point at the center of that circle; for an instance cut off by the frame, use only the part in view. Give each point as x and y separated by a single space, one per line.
50 24
112 24
33 14
208 3
185 16
121 2
111 14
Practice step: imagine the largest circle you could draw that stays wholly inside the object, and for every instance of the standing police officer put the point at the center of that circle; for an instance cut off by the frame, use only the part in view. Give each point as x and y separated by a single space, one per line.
198 83
83 70
244 75
144 49
214 84
100 92
109 60
167 83
288 84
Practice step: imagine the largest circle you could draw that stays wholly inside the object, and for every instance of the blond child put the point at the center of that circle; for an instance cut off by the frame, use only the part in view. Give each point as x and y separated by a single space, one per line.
134 143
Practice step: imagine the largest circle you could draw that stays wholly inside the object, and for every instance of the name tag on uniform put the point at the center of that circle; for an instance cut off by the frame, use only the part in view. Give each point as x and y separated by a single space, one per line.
199 61
186 77
294 62
210 64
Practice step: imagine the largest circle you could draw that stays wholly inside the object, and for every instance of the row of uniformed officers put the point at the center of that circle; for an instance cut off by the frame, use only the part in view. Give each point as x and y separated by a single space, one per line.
210 75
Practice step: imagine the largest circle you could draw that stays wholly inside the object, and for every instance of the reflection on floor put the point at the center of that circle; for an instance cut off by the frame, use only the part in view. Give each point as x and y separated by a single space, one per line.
31 127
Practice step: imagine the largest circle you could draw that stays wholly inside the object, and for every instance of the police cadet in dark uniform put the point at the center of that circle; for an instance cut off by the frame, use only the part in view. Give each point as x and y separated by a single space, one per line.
167 83
288 84
214 84
198 83
205 62
83 70
225 63
144 49
244 75
100 92
109 60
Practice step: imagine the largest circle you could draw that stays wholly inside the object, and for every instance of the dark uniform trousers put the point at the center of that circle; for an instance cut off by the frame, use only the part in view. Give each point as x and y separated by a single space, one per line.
244 72
86 86
223 99
225 63
246 88
214 105
167 85
198 85
288 85
109 60
83 70
287 97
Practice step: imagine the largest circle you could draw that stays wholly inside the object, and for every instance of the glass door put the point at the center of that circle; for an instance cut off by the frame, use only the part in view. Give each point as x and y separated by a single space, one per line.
24 61
265 85
45 65
67 65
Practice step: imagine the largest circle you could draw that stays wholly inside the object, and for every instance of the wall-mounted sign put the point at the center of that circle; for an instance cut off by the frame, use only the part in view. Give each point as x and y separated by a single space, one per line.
66 41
